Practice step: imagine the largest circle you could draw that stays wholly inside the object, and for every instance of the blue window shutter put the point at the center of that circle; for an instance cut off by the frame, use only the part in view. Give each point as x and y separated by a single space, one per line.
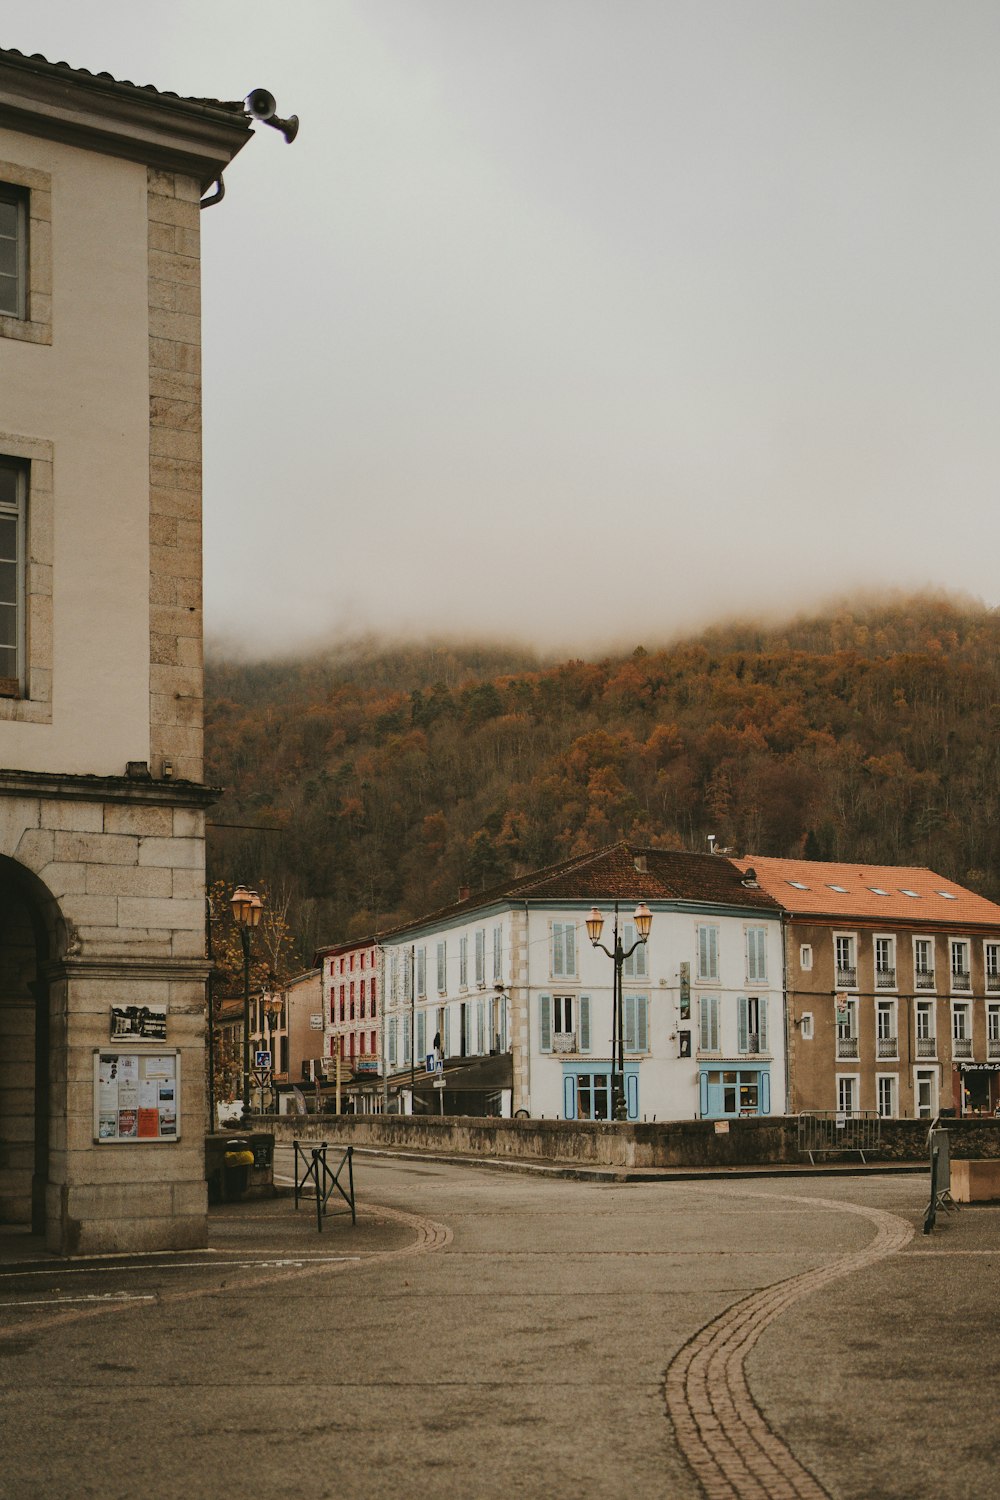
569 1095
741 1023
446 1039
703 1086
703 1009
762 1011
421 1034
480 1025
642 1023
584 1037
570 941
628 1017
765 1093
545 1024
632 1095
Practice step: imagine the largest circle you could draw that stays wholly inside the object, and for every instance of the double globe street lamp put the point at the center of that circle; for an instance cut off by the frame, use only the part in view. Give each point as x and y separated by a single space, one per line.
247 908
643 919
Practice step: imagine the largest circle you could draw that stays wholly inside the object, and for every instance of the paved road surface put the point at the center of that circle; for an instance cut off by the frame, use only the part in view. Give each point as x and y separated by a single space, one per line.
484 1334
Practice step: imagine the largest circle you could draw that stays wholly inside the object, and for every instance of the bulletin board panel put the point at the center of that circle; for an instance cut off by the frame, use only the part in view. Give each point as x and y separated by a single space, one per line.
137 1096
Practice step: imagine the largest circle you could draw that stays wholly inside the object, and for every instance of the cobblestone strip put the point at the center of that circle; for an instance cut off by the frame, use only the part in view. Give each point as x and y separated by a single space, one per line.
733 1452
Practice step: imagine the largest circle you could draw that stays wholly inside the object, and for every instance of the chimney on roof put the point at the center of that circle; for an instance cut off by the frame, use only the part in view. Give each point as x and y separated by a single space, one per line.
750 877
463 893
641 864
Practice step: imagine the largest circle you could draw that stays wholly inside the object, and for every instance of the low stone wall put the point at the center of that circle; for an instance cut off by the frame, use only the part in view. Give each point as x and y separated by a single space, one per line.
682 1143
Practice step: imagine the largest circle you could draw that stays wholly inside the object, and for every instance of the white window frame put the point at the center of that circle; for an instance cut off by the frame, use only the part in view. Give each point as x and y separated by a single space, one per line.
805 957
884 947
707 949
850 942
807 1027
14 514
925 1011
848 1086
934 1076
886 1030
887 1084
958 946
922 946
635 1024
636 966
708 1023
847 1042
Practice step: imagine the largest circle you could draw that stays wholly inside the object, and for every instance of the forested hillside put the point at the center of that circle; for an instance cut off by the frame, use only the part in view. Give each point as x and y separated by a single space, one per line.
382 779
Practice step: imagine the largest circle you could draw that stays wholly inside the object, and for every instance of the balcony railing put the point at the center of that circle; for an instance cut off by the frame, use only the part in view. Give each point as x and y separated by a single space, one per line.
993 983
847 979
888 1046
961 979
927 1046
993 1047
885 979
753 1042
847 1046
923 979
961 1046
564 1041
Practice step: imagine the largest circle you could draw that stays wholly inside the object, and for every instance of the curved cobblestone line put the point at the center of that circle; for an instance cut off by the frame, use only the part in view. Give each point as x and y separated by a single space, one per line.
727 1442
428 1236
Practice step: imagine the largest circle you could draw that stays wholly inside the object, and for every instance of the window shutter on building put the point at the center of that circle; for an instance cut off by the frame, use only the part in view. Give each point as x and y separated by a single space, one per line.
442 967
569 1097
762 1012
765 1093
421 1034
632 1095
545 1023
742 1033
636 1023
583 1040
480 1025
446 1039
709 1008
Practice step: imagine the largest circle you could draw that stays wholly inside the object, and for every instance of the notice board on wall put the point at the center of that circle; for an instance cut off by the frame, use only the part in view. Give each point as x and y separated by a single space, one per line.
137 1096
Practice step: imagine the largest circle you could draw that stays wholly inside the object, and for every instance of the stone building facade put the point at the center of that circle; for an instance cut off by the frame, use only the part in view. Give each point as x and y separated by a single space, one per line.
102 806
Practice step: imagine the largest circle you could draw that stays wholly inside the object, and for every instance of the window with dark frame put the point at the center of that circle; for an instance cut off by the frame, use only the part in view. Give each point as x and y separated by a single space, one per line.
13 510
13 251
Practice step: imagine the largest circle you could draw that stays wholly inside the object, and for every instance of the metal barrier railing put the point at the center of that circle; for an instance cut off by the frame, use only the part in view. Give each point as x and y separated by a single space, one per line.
316 1170
822 1131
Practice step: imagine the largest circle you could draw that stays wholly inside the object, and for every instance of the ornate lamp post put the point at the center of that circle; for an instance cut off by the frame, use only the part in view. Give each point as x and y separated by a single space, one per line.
247 907
643 919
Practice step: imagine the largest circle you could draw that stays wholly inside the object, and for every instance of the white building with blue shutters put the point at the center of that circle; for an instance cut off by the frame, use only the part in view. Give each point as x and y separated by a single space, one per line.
501 1004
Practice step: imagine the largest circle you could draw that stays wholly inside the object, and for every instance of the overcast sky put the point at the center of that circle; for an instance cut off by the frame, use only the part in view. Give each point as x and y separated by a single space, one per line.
585 321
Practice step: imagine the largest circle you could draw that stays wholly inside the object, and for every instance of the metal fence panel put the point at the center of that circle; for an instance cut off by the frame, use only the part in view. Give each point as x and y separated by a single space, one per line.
821 1131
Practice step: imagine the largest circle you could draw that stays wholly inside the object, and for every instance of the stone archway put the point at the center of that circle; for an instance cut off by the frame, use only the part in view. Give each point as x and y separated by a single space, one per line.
29 924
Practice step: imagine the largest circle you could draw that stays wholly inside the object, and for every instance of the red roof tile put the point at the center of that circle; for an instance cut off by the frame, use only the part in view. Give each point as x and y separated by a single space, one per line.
891 893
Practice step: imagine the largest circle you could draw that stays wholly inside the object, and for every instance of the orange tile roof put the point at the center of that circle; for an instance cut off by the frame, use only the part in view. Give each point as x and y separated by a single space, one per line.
891 893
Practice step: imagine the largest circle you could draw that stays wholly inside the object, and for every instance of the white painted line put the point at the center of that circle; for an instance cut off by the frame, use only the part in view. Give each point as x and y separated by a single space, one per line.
104 1297
184 1265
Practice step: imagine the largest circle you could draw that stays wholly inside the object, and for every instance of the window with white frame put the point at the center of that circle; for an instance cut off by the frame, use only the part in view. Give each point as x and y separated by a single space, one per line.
708 952
708 1012
923 963
886 1039
563 950
961 1029
845 953
924 1024
848 1089
847 1027
961 976
756 954
481 956
442 967
751 1023
993 1030
925 1089
563 1023
636 966
13 532
885 963
805 956
886 1095
807 1026
991 966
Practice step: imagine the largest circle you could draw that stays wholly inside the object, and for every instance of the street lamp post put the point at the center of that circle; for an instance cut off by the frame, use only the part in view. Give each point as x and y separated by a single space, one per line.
643 919
247 907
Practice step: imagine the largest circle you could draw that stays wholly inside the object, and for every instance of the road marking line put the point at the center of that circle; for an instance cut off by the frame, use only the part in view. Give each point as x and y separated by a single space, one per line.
178 1265
103 1298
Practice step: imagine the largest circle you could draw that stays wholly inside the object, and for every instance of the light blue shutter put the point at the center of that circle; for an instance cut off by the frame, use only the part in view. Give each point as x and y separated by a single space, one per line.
762 1012
642 1023
569 935
558 959
406 1039
569 1097
628 1003
765 1093
421 1034
392 1042
480 1025
741 1025
584 1037
632 1095
703 1090
703 1017
446 1039
498 953
545 1023
703 952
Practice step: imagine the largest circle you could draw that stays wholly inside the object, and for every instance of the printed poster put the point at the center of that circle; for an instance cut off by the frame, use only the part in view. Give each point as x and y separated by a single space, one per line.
136 1096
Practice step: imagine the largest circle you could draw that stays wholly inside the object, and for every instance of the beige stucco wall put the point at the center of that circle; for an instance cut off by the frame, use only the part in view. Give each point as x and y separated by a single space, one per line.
87 394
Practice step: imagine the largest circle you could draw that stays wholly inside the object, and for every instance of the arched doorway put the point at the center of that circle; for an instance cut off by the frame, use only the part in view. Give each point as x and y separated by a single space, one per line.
29 923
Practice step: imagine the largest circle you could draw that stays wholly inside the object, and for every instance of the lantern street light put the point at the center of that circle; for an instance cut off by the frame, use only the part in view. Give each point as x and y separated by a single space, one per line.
247 907
643 919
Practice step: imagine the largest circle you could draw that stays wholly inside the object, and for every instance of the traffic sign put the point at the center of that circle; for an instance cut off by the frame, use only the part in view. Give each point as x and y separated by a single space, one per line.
263 1059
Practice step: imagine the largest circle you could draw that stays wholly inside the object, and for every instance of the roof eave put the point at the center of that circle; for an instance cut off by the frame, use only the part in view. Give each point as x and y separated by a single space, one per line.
98 114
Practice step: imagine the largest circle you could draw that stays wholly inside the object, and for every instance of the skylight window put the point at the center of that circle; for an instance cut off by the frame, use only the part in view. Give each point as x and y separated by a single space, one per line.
914 894
841 888
948 896
798 885
877 890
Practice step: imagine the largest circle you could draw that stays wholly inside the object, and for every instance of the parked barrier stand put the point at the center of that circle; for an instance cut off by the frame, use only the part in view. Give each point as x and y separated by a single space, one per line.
940 1154
821 1131
314 1169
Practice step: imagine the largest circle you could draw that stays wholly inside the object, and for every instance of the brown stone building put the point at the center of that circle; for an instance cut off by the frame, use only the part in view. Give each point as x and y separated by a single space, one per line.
892 981
102 806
